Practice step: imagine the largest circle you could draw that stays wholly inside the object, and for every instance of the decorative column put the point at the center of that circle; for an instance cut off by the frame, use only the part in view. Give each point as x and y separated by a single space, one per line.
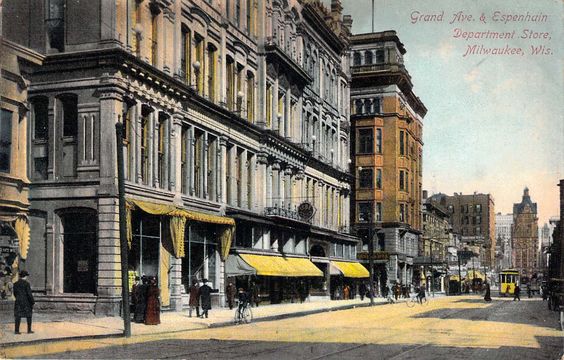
261 180
151 148
252 175
276 183
166 161
204 162
243 167
288 188
137 135
222 170
191 150
232 179
268 184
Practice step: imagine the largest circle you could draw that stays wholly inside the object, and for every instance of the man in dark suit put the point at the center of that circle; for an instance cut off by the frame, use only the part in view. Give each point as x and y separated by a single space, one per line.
205 297
23 307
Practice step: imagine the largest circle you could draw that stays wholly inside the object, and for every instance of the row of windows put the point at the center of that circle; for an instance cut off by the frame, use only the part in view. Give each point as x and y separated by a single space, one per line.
366 179
475 220
467 208
5 140
368 57
367 106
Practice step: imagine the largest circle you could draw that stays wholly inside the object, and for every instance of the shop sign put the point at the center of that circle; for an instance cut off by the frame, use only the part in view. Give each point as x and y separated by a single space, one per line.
376 255
82 266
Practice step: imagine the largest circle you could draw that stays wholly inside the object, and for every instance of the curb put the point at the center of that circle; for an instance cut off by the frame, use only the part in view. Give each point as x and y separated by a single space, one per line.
210 326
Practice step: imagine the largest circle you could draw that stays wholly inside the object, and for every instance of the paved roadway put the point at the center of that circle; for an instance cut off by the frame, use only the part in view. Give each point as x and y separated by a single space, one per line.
448 328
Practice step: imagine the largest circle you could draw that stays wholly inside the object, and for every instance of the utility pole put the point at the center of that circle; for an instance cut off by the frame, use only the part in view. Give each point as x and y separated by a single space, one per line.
432 271
123 233
459 275
372 15
371 257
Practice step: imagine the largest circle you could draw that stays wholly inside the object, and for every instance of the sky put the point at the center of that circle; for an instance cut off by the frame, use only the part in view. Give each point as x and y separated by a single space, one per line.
494 122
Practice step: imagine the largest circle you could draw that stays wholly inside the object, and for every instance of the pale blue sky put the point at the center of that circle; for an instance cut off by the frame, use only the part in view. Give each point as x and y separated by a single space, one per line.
495 123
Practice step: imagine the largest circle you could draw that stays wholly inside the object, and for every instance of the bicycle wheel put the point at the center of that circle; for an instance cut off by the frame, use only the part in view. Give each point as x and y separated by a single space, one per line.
247 315
237 316
410 302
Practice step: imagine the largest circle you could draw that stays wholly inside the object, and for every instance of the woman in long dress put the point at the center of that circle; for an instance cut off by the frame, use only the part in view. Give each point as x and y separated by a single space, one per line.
487 296
153 312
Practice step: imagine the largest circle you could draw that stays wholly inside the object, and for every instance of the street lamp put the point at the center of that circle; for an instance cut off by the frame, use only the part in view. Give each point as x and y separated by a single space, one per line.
196 65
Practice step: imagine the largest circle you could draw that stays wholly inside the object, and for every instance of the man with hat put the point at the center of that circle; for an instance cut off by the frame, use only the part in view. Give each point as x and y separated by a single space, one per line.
205 297
23 307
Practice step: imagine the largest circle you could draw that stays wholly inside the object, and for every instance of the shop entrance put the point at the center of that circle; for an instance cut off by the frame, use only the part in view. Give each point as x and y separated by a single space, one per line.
144 254
80 251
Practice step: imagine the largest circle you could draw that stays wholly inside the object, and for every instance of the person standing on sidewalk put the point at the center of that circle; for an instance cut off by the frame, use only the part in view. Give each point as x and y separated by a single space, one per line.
194 301
487 296
362 290
230 294
205 298
23 306
153 312
140 300
516 293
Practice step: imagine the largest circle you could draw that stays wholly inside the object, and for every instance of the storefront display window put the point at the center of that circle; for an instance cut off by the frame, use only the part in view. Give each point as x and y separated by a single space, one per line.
144 254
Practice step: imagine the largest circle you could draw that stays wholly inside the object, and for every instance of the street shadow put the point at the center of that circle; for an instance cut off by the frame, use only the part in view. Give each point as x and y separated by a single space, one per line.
530 313
550 348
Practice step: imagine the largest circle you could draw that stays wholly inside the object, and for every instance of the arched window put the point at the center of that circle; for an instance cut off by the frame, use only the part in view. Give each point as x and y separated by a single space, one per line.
359 107
368 57
317 250
356 59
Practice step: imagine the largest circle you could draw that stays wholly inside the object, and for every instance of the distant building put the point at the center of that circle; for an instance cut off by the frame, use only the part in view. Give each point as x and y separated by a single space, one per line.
503 226
387 150
525 236
545 239
473 217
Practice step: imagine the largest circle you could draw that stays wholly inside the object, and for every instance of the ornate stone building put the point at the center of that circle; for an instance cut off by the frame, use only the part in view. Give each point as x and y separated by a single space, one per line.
525 236
236 115
387 120
503 230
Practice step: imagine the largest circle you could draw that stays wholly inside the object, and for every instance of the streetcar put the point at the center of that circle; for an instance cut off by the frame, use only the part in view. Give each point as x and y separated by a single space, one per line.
508 279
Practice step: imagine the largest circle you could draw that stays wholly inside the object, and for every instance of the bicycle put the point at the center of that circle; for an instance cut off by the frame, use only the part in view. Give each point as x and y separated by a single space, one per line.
243 314
415 300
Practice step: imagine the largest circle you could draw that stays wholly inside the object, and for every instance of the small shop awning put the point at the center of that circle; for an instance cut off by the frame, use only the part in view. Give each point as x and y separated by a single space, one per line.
351 269
235 266
281 266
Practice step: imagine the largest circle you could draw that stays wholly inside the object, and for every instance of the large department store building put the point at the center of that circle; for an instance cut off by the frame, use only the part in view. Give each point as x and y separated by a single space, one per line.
236 146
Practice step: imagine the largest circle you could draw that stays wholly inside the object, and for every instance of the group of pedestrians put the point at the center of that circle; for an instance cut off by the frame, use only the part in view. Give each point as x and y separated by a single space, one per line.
200 296
145 296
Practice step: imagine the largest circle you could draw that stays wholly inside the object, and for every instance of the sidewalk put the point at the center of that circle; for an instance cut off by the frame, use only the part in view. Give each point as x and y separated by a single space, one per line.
57 326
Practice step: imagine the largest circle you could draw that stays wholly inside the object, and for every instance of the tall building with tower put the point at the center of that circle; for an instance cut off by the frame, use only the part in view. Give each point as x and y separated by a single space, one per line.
525 236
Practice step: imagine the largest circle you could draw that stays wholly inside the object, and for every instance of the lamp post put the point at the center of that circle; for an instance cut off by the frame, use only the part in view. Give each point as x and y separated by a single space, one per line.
197 67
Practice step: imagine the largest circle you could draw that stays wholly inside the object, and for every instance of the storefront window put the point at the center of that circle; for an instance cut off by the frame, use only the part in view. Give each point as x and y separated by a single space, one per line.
144 254
201 263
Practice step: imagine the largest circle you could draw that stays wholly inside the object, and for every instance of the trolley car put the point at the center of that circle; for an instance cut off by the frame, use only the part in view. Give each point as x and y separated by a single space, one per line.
508 279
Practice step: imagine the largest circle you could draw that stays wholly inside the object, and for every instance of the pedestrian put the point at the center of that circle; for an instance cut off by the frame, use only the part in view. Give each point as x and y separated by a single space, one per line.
141 300
529 291
153 311
396 291
421 294
255 294
194 302
516 293
230 294
346 292
487 296
23 306
134 295
205 298
544 293
362 290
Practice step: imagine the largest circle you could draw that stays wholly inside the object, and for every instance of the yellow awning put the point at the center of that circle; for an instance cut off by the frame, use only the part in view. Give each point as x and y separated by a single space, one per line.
351 269
454 278
280 266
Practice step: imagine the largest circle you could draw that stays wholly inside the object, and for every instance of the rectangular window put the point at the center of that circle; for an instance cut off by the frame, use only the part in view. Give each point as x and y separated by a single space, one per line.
145 146
238 12
268 105
378 212
56 24
136 19
154 38
376 106
5 140
379 141
250 97
402 180
401 142
230 89
212 60
40 118
185 56
402 213
161 151
250 17
366 179
198 162
364 211
70 116
365 141
378 178
198 70
479 208
184 160
379 56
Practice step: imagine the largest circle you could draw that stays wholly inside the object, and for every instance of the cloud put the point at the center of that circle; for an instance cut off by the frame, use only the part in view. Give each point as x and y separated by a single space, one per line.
472 79
446 50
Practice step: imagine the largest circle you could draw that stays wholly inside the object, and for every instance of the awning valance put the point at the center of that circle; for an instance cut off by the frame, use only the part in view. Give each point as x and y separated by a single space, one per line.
179 216
351 269
235 266
21 227
281 266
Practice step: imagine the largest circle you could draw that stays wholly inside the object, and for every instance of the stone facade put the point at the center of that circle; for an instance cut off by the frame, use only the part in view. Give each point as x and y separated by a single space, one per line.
503 229
233 109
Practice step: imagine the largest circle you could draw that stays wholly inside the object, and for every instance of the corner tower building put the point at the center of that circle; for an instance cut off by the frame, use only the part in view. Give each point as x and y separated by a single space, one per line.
387 148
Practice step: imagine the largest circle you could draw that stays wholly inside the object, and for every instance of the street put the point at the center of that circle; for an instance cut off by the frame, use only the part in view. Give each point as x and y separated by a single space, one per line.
462 327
